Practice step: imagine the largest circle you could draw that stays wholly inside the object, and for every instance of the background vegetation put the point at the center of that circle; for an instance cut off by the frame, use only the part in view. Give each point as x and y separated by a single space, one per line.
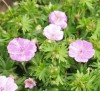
52 68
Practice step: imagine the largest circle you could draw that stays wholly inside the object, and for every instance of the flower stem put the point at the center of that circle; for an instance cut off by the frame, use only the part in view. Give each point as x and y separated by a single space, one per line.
23 64
82 67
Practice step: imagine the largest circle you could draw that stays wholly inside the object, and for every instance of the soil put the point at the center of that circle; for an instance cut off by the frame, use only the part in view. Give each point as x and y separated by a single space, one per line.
3 7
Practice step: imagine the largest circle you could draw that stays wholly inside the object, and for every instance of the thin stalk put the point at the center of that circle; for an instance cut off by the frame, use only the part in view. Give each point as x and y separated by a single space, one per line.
23 64
5 3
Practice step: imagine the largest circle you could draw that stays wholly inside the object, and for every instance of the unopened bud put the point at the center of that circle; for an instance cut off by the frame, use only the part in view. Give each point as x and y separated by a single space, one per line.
38 27
35 40
77 16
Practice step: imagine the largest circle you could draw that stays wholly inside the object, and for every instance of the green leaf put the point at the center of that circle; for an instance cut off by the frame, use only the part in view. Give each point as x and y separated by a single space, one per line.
96 34
59 80
41 72
26 23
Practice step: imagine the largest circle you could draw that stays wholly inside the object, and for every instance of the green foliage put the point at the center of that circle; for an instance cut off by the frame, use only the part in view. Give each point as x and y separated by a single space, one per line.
42 72
55 51
26 24
6 67
52 68
83 82
96 34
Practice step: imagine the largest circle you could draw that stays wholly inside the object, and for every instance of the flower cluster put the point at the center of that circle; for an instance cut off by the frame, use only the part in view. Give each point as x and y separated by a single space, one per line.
58 21
81 50
23 50
8 84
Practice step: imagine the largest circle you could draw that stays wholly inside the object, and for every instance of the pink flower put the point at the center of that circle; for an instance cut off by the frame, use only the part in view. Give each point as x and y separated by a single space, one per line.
29 83
21 49
59 18
81 50
7 84
53 32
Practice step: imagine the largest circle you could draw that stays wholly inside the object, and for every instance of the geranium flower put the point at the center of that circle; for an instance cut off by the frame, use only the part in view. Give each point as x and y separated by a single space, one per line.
29 83
53 32
21 49
59 18
7 84
81 50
